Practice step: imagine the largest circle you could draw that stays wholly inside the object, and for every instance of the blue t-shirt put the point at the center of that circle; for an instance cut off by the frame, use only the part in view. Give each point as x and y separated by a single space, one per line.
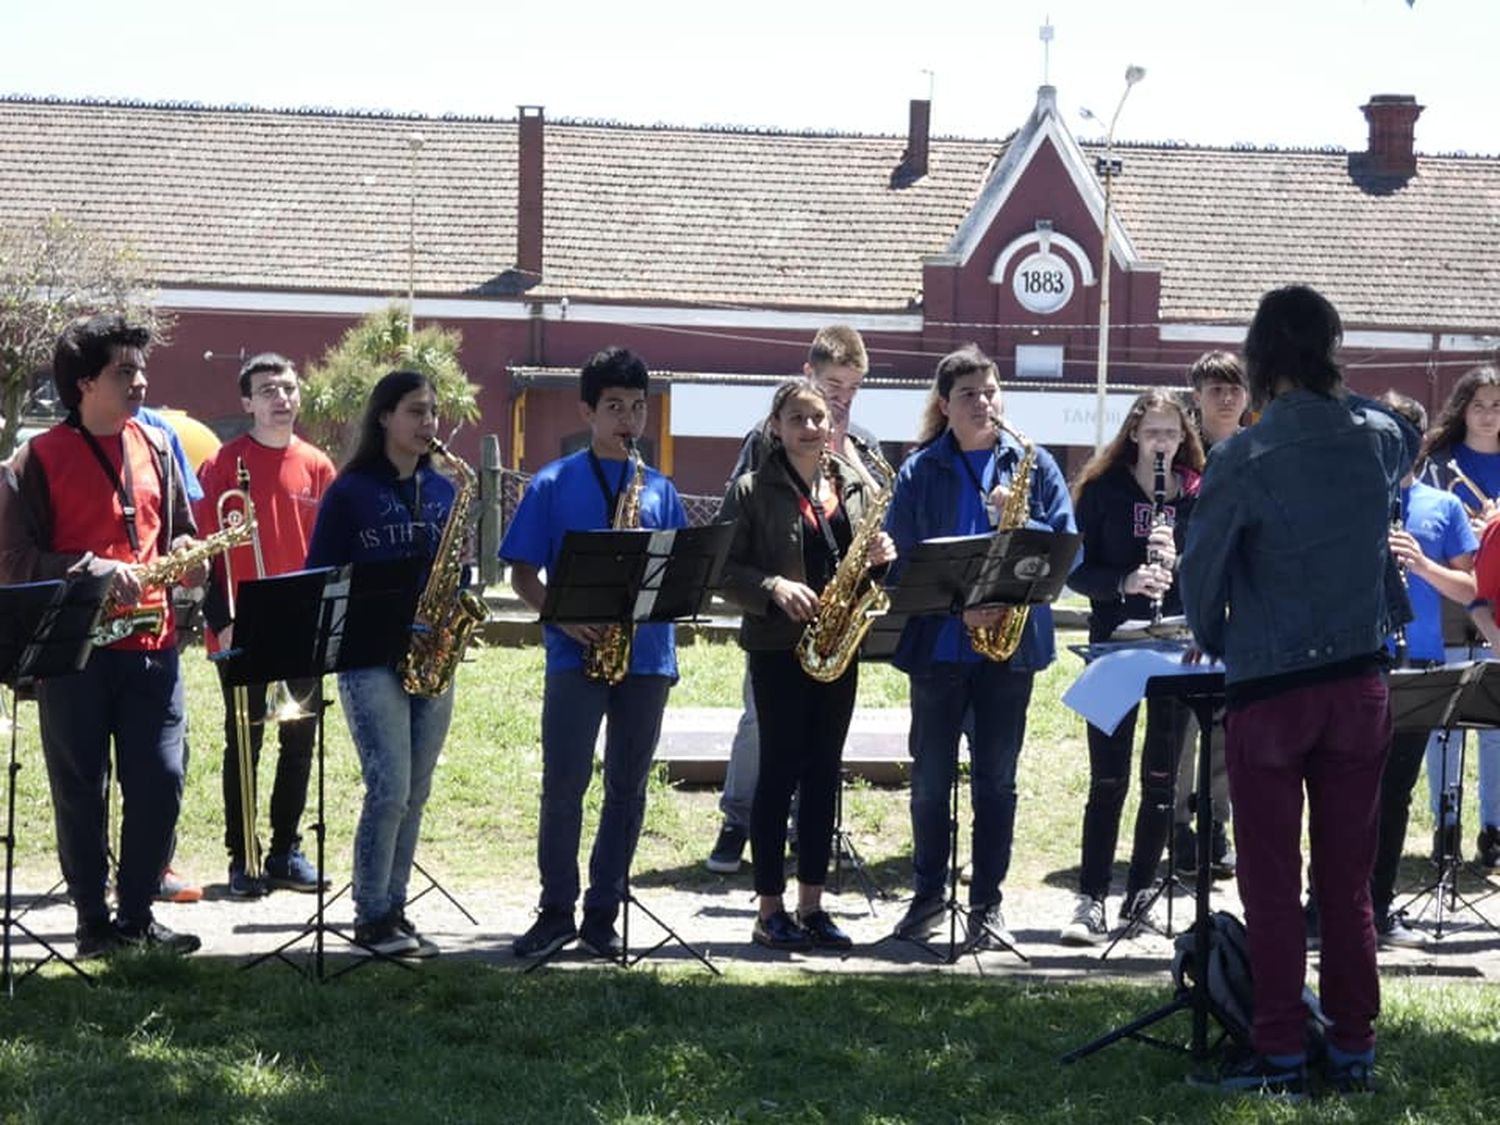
1436 520
952 644
190 484
1483 469
566 496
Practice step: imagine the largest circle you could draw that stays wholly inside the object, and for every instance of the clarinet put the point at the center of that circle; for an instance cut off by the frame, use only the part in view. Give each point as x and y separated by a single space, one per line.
1158 519
1399 524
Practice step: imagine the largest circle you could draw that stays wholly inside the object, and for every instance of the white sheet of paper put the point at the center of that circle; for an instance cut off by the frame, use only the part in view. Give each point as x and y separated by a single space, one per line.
1110 686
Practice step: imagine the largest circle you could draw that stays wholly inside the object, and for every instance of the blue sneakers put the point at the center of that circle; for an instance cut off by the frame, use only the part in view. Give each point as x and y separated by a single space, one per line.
291 871
1282 1077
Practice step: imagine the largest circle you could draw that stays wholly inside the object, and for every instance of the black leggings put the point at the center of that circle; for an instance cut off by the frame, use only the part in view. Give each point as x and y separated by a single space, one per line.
1109 782
802 728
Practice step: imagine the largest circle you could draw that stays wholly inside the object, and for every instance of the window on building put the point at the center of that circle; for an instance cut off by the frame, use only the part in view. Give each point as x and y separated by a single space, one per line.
1039 361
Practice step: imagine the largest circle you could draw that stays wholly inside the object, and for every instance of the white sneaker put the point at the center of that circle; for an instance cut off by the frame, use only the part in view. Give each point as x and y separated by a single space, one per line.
1087 926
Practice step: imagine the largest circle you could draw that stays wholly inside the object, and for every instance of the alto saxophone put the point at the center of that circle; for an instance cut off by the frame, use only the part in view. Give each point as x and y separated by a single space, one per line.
607 660
999 642
117 622
850 602
447 614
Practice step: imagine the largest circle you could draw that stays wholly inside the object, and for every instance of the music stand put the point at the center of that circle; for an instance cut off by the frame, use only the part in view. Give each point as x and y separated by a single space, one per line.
845 852
1018 567
1462 697
306 625
46 631
1203 694
636 576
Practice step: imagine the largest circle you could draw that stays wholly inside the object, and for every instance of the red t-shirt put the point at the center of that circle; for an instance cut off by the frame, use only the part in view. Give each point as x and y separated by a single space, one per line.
286 486
87 514
1487 565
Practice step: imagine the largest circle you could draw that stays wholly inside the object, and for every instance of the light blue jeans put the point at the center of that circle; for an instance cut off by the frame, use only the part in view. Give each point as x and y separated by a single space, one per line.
1489 763
398 738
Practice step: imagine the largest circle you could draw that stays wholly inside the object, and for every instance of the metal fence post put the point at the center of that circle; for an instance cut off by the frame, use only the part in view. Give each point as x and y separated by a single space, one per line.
489 509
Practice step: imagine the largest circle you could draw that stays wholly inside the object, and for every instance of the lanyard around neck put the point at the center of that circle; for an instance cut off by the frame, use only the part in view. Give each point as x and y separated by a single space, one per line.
122 482
825 528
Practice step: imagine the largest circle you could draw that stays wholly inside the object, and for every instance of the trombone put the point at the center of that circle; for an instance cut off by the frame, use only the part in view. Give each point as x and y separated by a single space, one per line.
1462 478
233 509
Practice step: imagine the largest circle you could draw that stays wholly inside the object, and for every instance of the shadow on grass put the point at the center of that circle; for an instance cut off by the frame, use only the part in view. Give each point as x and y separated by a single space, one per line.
172 1041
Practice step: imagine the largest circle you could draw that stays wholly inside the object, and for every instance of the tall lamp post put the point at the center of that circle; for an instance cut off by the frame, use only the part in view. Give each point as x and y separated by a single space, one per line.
1133 74
416 141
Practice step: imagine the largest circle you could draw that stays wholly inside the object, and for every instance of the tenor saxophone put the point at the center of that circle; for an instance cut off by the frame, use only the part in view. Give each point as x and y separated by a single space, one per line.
447 614
999 642
607 660
849 604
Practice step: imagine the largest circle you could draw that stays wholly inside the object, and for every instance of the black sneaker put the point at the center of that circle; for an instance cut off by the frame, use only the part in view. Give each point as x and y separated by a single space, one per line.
921 918
1350 1075
1087 926
780 931
729 848
1259 1076
823 930
1185 849
1391 930
1138 913
1487 847
385 937
291 871
552 930
425 946
597 934
95 939
987 929
153 935
1222 859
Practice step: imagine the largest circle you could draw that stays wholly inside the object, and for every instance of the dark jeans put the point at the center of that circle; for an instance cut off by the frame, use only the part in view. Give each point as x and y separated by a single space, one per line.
941 700
1402 768
293 765
136 699
803 724
1109 782
573 706
1331 738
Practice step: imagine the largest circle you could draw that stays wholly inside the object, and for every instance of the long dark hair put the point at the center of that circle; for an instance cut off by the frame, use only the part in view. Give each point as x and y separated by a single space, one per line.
1294 335
1451 429
1124 448
968 360
369 447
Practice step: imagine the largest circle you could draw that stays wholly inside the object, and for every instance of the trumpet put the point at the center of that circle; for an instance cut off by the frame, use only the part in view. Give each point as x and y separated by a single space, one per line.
1462 478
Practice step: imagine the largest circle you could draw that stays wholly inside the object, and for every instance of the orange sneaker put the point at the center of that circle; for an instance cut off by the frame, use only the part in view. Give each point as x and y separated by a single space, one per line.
174 888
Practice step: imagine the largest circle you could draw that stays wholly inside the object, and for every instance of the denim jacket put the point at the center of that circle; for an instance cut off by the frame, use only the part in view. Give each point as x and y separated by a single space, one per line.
925 506
1286 566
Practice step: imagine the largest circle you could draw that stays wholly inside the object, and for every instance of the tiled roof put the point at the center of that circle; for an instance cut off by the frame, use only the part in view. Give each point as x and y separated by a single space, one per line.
320 200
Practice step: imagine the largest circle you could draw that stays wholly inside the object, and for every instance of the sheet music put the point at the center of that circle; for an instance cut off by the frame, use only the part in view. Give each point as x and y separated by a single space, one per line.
1109 687
655 571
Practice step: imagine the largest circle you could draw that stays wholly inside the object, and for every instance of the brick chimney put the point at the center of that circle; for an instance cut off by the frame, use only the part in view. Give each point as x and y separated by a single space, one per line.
1393 120
913 164
529 211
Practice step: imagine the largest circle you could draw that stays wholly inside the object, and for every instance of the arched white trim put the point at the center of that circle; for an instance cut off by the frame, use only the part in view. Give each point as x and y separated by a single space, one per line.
1042 238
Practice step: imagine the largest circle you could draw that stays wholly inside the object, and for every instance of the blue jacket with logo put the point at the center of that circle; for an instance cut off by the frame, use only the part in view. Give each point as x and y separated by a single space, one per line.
1286 566
925 506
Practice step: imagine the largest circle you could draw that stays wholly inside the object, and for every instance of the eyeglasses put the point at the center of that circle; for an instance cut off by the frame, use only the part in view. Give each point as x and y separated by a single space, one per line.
271 391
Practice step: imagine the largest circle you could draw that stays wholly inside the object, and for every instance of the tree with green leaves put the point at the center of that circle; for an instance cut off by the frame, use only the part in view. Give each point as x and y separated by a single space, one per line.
337 387
51 271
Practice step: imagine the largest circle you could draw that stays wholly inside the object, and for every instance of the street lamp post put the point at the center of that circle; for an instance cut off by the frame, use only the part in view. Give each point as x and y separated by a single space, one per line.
416 141
1133 74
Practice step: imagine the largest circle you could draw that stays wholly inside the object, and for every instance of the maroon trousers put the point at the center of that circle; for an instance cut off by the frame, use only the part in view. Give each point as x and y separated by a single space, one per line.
1332 739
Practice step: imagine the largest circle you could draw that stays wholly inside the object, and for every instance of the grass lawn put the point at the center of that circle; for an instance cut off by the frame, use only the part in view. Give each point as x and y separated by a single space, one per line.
463 1041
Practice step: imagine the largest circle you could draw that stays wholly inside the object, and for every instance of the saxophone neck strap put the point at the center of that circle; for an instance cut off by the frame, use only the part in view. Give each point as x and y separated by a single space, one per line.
812 507
122 481
611 495
991 470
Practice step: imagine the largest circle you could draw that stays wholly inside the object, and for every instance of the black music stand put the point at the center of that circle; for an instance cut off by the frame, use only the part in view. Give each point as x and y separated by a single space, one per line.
1019 567
1460 697
845 853
636 576
46 631
1203 694
303 626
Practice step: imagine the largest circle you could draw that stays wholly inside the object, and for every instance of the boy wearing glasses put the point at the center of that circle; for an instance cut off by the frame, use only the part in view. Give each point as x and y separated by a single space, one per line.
288 477
581 492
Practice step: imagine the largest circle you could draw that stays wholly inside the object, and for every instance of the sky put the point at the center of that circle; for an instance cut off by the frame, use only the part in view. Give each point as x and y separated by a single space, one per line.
1291 73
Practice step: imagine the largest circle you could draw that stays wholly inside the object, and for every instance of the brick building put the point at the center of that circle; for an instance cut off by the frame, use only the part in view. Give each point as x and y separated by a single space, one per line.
716 254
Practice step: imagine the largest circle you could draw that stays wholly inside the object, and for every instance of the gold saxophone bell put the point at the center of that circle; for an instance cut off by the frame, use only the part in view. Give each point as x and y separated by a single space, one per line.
999 642
607 660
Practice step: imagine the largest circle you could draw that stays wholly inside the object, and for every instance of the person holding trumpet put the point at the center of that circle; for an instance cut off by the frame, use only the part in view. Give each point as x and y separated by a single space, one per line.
1462 455
283 479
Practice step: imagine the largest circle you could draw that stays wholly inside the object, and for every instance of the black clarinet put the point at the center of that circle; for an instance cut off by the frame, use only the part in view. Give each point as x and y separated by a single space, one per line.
1158 519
